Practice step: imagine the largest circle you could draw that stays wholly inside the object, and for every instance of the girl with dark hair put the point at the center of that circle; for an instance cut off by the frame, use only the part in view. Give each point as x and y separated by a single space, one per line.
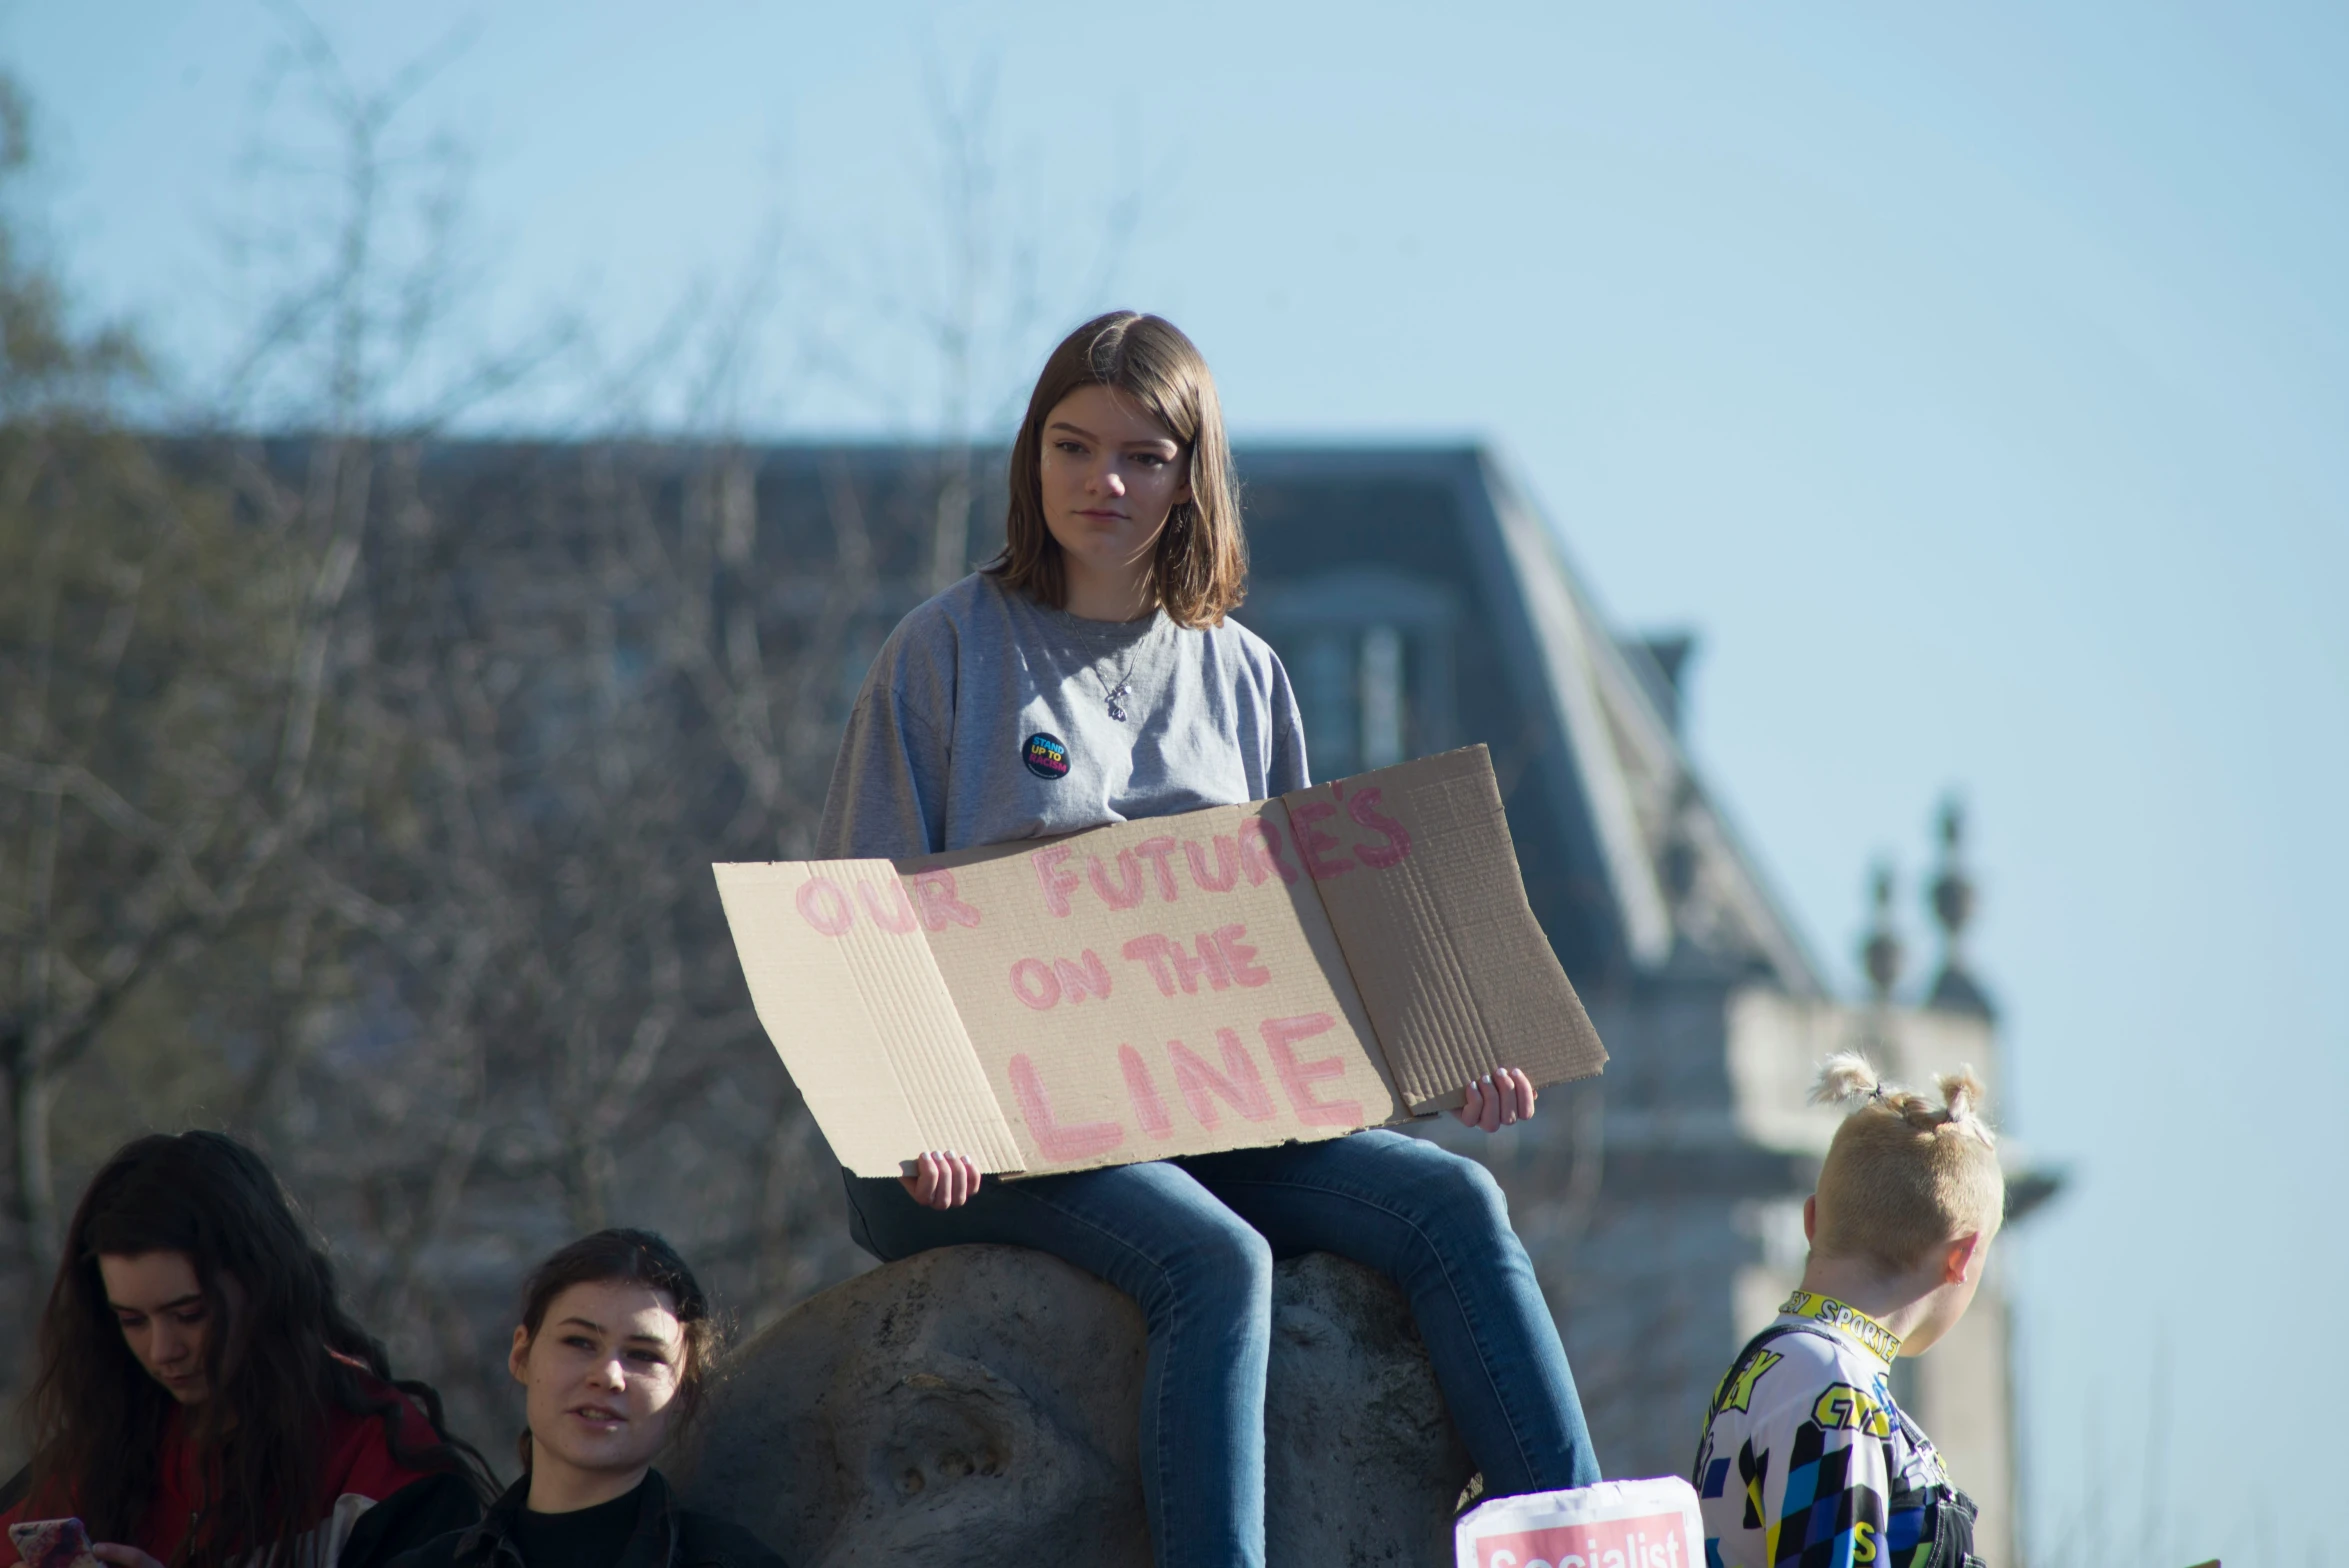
203 1399
1087 675
613 1349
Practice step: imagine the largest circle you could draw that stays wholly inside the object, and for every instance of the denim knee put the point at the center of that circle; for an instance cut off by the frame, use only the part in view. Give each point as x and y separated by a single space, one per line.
1220 1264
1460 1192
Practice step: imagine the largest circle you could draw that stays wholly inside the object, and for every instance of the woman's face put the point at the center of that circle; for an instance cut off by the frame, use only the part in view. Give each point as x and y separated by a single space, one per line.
601 1373
165 1319
1110 474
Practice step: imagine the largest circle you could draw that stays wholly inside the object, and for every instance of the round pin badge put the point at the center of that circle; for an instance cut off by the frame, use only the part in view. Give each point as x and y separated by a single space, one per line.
1046 755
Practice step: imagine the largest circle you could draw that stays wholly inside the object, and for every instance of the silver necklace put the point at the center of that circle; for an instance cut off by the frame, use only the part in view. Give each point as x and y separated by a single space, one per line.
1123 689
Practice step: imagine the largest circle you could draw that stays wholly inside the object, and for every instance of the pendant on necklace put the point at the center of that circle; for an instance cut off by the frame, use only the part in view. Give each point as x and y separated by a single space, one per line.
1117 709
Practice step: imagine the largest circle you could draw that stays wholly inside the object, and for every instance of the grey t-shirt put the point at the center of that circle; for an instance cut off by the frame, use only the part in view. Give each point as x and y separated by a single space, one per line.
986 717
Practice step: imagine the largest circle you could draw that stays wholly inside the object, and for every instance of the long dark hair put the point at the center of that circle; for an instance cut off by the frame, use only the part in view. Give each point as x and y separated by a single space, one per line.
275 1364
631 1257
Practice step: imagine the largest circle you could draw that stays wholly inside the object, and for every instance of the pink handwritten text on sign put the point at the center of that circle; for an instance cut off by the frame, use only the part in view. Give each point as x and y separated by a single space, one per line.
1044 986
1167 870
1220 959
1207 1088
1254 852
835 910
1322 852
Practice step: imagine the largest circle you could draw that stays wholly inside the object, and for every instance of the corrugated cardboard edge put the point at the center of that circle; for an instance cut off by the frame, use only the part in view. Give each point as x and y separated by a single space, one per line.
1482 989
863 1023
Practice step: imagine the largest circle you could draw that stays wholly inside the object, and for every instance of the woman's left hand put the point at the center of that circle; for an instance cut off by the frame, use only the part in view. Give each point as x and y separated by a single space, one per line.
1499 1099
122 1556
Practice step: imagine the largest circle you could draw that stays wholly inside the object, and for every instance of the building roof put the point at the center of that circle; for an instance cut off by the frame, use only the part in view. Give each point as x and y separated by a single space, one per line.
1636 867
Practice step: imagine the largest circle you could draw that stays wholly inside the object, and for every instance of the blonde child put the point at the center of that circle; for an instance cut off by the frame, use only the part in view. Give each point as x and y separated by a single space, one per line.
1806 1459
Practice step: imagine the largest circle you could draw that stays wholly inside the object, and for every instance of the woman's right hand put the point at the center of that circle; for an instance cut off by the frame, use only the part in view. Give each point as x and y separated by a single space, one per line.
942 1181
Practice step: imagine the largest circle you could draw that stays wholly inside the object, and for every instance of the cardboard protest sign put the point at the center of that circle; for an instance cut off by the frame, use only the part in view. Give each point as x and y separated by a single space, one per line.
1348 955
1615 1524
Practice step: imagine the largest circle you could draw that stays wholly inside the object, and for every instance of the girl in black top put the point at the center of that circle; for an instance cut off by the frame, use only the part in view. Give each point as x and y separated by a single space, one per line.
613 1349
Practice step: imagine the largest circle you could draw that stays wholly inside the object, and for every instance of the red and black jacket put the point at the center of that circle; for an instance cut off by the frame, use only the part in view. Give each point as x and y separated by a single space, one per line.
369 1507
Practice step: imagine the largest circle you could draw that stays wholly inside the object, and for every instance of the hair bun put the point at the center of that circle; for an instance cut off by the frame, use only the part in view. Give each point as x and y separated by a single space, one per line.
1845 1076
1963 1094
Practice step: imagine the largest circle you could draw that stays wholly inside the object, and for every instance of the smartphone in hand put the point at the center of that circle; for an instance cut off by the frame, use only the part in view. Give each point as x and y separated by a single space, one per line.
53 1543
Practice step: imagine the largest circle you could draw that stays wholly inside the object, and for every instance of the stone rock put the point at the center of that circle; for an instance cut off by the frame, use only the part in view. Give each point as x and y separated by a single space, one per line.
978 1407
1362 1466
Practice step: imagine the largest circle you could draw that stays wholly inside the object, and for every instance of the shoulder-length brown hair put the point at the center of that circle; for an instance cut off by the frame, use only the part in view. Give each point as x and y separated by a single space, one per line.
1202 563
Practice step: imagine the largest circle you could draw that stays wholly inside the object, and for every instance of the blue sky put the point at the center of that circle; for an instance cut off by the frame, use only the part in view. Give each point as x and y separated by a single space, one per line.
1973 379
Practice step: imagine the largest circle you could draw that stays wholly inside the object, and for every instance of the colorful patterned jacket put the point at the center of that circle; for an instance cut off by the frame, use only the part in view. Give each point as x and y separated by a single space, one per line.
1808 1463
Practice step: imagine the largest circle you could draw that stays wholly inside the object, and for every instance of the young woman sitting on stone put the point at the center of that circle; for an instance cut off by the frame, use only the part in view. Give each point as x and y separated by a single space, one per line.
201 1398
1089 674
613 1350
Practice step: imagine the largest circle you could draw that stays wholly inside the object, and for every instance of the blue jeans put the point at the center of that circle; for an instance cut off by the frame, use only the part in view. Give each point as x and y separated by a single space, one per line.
1193 1241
